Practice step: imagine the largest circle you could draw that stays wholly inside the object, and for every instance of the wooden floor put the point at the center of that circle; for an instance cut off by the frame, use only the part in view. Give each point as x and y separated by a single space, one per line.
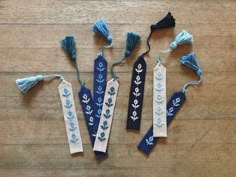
33 141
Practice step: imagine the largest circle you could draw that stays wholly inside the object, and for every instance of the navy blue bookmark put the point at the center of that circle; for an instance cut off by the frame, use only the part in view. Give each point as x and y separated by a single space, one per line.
136 94
99 86
173 106
138 78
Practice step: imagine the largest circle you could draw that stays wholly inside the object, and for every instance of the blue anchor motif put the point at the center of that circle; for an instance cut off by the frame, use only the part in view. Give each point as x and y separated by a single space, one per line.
109 102
100 67
70 115
68 104
100 79
99 91
102 137
107 115
72 127
73 139
66 93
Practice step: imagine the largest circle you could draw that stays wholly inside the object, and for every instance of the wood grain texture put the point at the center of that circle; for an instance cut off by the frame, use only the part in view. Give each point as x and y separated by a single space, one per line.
201 140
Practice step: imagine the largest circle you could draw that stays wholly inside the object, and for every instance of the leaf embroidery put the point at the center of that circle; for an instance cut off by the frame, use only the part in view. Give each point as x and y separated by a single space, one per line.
107 115
149 141
68 104
85 99
102 137
112 91
104 126
176 102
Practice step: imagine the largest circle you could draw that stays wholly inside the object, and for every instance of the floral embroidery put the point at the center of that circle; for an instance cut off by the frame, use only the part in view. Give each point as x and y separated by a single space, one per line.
149 141
88 109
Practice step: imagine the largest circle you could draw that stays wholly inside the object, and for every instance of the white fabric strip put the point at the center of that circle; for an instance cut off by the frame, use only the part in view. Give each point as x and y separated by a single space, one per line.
105 123
70 118
159 101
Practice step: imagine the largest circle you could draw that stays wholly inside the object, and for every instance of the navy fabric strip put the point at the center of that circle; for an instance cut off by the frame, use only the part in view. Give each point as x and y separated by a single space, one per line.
86 101
136 94
99 87
173 106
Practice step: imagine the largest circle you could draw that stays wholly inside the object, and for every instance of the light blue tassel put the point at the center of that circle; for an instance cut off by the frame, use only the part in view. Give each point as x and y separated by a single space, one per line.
68 44
131 42
191 61
182 38
27 83
100 27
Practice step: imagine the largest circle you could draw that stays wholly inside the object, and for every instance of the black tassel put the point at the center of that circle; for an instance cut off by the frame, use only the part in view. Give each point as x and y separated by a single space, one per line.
167 22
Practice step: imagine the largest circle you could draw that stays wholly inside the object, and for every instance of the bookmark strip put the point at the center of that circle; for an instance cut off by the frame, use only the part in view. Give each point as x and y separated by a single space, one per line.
173 106
136 94
105 123
70 118
87 107
100 75
159 101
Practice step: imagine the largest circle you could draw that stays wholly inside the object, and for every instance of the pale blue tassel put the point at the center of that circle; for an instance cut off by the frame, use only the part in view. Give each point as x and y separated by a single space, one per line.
100 27
191 62
27 83
131 42
68 44
182 38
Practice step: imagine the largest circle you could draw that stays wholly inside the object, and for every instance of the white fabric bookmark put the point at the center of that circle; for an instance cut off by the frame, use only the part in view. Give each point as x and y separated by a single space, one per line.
70 118
105 123
159 101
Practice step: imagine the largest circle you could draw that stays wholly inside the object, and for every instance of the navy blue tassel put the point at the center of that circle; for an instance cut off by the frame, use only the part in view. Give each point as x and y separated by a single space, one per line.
68 44
100 27
131 42
167 22
191 61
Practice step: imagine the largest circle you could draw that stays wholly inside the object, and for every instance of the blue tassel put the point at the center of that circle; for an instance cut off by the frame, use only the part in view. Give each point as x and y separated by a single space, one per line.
27 83
191 61
182 38
131 42
100 27
68 44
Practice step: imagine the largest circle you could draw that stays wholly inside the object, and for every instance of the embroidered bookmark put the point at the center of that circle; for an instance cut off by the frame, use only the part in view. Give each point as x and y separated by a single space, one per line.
138 78
108 107
100 72
67 100
174 104
159 87
159 101
84 94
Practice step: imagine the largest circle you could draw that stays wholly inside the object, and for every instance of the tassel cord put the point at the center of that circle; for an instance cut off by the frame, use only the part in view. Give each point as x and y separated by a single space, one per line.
113 74
192 83
106 47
